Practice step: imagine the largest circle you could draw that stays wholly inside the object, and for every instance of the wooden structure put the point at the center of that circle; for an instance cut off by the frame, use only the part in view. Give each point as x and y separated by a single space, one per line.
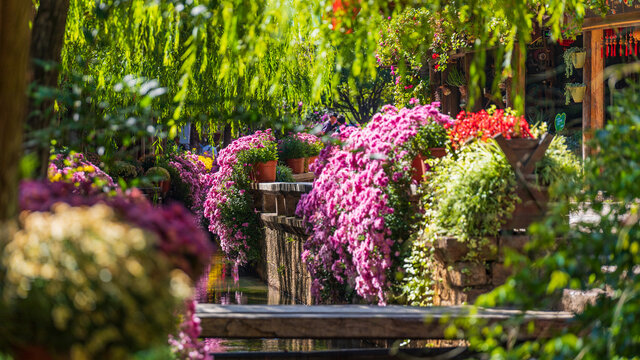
522 155
358 321
593 105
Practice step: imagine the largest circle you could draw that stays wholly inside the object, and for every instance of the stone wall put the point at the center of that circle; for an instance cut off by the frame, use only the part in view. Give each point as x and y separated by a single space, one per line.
282 268
460 276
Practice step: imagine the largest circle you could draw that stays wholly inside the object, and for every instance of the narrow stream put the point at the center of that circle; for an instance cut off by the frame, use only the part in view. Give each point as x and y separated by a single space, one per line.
217 286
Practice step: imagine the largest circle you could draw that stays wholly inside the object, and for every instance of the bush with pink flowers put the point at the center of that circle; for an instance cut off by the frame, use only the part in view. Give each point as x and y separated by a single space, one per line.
194 173
74 168
229 205
359 212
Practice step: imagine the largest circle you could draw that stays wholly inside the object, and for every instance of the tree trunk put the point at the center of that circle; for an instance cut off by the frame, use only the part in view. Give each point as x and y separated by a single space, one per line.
14 47
226 136
46 45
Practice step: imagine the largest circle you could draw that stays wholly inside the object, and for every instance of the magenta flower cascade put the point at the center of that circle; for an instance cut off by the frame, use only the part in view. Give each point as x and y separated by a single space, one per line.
194 172
350 211
229 205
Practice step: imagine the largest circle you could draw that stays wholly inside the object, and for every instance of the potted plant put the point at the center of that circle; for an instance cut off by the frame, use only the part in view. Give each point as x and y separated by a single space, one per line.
263 158
293 151
574 58
160 176
431 141
575 91
312 145
457 79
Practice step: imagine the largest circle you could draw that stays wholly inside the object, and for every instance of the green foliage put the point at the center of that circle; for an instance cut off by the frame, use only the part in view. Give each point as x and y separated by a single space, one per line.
178 189
432 135
568 61
417 285
124 170
284 174
292 148
220 64
567 91
85 119
601 254
471 195
256 155
158 173
559 165
456 78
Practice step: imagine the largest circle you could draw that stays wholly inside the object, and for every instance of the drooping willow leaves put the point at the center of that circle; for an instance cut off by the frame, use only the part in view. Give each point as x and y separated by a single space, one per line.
240 62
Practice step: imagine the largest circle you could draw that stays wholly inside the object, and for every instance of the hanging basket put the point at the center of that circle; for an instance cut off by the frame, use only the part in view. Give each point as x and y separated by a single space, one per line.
577 93
578 59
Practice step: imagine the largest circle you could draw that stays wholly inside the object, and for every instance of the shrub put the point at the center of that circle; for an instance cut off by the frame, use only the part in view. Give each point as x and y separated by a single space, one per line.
292 148
80 279
284 174
123 170
179 236
158 173
313 144
194 175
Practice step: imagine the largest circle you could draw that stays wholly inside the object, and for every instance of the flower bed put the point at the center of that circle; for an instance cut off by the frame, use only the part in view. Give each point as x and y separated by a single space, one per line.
74 168
229 205
179 236
359 211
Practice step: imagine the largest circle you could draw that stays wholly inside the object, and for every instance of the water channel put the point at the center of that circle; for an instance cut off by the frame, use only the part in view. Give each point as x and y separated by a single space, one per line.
218 286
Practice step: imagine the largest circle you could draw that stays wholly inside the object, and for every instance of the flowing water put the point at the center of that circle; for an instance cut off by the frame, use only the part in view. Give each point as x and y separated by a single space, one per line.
219 286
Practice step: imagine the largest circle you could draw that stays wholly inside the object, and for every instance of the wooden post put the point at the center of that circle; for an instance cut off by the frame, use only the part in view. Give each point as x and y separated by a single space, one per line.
516 86
593 102
14 49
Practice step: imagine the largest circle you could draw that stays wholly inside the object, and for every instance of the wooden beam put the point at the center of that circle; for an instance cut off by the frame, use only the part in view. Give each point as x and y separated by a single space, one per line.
357 321
610 21
593 102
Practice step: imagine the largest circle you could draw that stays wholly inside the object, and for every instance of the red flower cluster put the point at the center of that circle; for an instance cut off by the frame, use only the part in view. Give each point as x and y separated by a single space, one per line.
486 125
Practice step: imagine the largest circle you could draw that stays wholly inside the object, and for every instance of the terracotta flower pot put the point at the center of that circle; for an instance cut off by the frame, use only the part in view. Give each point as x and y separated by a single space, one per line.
296 165
165 185
577 93
264 171
420 168
437 152
578 59
308 161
